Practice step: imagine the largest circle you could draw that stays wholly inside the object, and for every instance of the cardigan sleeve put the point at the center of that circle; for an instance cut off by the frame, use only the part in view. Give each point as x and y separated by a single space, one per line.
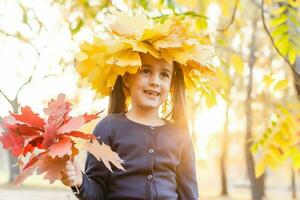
186 177
95 177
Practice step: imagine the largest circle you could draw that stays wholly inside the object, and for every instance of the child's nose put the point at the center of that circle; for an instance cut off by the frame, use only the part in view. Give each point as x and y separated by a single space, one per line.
154 80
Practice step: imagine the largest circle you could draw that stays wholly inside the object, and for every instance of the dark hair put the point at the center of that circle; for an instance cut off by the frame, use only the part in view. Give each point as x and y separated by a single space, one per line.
117 98
177 114
178 97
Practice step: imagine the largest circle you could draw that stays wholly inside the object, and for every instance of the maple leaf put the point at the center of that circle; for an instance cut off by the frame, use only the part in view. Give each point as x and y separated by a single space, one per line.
56 140
103 152
8 122
26 131
61 148
88 118
52 167
31 143
24 174
29 148
79 134
29 117
27 169
32 161
129 25
75 123
58 111
12 141
72 124
49 135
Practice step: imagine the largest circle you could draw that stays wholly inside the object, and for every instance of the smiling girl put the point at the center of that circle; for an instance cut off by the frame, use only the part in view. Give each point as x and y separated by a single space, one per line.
158 151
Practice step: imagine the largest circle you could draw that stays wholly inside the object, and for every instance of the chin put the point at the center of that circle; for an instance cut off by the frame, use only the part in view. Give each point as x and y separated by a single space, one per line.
150 105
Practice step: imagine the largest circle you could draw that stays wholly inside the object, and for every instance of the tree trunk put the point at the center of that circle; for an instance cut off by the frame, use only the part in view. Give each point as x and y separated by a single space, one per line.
296 74
293 184
224 189
257 185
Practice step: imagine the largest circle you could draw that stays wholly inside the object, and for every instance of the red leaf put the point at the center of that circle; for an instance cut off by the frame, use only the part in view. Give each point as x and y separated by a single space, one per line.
35 141
31 162
49 136
31 144
12 141
34 159
72 125
28 149
79 134
58 110
89 118
25 130
61 148
29 117
8 122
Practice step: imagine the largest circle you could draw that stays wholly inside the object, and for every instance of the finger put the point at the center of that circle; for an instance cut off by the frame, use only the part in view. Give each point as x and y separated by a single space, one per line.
70 173
71 180
67 182
64 175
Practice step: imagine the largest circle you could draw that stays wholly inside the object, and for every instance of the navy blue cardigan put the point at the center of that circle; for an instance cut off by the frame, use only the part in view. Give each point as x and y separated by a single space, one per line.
159 163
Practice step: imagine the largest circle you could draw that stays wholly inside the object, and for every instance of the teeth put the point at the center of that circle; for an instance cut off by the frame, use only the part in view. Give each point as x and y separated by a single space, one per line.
151 93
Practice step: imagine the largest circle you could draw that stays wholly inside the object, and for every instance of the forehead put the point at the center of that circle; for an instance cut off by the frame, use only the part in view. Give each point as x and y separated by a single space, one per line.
151 61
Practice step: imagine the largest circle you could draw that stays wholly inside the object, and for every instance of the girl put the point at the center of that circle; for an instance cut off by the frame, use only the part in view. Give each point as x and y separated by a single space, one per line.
145 60
158 154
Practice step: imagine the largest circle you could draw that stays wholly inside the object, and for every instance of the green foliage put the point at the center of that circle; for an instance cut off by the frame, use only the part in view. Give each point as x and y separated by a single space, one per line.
285 24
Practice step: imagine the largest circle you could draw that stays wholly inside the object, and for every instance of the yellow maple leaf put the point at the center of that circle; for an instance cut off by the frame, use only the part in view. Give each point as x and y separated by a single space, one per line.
131 26
124 58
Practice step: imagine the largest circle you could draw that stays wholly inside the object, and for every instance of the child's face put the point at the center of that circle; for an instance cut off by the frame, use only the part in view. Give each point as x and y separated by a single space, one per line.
150 86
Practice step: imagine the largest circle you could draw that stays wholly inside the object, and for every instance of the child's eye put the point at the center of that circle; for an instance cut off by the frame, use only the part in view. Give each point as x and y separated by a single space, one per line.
164 74
145 71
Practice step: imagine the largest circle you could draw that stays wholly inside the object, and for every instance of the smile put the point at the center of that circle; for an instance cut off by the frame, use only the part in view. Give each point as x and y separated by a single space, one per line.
151 93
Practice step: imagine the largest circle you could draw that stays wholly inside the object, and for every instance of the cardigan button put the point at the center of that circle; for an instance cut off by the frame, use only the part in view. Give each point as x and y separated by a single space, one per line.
149 177
151 151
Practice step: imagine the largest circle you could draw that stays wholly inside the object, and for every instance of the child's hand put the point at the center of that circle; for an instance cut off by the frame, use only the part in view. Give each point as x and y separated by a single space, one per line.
73 175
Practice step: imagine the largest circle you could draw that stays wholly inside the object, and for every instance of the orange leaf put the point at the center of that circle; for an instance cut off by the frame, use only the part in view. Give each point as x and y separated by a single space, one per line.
79 134
52 167
103 152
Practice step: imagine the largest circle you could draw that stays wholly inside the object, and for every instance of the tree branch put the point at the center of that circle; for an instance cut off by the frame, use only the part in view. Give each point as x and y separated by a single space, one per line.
270 36
22 39
232 18
9 101
26 83
25 10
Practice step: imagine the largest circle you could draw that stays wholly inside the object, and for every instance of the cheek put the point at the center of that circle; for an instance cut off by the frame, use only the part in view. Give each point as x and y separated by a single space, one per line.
166 90
135 84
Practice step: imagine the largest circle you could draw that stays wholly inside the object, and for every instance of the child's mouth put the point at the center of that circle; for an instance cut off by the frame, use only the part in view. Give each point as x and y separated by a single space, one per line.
151 93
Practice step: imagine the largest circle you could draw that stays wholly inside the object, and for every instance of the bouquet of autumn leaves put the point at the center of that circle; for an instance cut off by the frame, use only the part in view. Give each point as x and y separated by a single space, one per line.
45 145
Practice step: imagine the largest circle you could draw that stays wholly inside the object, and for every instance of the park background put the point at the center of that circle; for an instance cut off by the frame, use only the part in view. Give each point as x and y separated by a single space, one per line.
247 122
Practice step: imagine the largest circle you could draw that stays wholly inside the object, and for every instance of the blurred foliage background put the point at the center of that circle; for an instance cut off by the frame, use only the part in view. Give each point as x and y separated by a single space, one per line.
245 129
